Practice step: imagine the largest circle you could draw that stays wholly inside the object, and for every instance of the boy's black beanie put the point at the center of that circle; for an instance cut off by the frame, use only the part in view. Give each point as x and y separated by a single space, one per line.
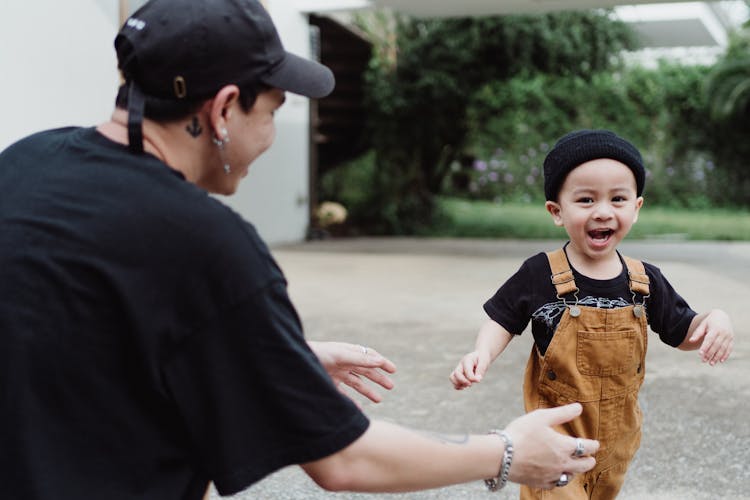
578 147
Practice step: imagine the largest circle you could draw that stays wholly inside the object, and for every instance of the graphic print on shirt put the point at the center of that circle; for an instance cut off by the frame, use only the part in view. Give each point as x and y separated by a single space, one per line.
549 314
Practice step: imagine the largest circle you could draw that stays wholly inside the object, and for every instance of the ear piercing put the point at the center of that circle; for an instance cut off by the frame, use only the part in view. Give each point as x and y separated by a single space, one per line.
221 144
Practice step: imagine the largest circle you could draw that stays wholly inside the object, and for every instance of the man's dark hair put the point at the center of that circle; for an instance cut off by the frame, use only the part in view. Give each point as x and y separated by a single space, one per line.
167 110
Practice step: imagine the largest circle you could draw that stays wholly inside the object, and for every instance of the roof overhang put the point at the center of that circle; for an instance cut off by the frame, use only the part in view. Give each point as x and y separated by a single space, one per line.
433 8
666 23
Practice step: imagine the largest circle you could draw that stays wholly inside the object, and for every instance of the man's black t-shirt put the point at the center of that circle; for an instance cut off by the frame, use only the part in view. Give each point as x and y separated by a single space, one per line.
147 342
530 295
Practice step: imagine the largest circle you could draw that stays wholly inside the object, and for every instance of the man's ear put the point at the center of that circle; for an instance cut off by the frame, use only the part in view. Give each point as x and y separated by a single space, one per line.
554 209
220 109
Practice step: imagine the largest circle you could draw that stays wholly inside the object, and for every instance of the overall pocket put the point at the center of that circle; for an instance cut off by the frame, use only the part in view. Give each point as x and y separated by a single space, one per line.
603 354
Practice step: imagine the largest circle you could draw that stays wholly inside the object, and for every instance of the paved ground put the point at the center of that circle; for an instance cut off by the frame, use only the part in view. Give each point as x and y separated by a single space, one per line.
419 303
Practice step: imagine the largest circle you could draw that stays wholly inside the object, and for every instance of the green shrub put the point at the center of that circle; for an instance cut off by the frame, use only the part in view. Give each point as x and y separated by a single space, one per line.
483 219
515 122
469 108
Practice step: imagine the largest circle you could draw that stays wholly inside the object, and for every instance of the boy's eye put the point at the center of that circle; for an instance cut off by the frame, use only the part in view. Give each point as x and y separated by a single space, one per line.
585 199
619 198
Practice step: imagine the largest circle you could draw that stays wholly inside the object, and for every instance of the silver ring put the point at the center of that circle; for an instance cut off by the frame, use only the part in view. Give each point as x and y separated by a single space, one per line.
364 349
564 480
579 448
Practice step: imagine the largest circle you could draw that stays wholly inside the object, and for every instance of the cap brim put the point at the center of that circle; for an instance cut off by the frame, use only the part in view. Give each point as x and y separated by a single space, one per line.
301 76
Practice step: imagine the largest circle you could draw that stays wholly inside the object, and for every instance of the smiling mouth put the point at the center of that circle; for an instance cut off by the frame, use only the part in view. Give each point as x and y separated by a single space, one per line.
600 234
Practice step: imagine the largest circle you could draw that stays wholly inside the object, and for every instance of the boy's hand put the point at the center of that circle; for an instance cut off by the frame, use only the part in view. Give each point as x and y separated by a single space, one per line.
470 369
715 335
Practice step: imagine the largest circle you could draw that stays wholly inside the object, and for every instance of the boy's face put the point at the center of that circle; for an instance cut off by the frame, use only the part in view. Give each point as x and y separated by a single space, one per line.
597 205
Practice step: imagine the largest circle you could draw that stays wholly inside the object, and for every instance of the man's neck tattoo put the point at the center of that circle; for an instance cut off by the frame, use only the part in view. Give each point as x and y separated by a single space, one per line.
194 128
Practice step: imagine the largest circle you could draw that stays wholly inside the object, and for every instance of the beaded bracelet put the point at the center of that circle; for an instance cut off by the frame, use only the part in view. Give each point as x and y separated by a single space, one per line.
497 483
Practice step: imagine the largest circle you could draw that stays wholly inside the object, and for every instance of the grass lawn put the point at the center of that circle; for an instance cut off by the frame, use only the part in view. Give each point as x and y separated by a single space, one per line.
480 219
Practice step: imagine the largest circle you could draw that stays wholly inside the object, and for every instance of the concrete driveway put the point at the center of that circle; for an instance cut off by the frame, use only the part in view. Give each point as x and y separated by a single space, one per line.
418 301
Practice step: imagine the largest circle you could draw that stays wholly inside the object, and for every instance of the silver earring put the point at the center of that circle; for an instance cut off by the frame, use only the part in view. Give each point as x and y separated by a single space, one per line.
221 143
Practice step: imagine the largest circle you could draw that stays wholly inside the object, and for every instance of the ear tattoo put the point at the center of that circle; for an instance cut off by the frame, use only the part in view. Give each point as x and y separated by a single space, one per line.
221 143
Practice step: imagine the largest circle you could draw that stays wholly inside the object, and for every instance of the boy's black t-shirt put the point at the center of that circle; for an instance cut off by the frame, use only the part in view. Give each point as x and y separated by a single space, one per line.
148 342
530 295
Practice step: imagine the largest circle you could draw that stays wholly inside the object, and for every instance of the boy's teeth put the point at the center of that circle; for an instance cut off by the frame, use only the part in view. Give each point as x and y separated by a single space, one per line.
599 234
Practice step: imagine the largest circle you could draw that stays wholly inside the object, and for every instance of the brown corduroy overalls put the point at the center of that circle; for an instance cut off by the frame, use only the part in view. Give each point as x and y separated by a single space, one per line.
597 358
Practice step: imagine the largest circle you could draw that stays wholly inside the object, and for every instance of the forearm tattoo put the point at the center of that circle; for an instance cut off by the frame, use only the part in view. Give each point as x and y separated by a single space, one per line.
446 438
194 128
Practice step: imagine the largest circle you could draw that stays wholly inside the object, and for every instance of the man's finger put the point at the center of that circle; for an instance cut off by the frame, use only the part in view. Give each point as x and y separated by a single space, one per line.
377 377
373 359
561 414
580 465
358 385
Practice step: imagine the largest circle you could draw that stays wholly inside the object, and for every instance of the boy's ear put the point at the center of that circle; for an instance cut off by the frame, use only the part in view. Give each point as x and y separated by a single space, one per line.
554 209
638 205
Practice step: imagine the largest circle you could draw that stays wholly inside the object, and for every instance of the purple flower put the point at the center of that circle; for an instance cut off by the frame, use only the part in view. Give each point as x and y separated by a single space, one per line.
480 165
508 178
493 177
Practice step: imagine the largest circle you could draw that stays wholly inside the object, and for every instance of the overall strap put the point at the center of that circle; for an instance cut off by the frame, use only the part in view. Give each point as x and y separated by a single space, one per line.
562 276
637 276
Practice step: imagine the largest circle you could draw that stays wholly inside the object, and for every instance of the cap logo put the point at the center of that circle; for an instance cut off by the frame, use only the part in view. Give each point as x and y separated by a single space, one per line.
180 87
136 23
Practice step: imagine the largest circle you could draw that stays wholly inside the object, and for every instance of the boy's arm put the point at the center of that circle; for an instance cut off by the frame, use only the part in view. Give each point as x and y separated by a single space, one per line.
713 334
491 342
493 339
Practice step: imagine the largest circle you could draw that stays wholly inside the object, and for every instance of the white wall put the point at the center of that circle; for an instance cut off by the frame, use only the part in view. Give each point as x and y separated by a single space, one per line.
57 63
275 194
59 68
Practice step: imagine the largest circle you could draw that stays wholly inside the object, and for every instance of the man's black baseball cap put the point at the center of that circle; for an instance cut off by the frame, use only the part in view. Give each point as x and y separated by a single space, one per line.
189 49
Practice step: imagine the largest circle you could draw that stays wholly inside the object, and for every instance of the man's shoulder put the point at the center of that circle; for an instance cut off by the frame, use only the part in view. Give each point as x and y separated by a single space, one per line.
31 142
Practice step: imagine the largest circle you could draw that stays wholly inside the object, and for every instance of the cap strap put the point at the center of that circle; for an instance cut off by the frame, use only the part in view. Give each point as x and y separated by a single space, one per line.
136 104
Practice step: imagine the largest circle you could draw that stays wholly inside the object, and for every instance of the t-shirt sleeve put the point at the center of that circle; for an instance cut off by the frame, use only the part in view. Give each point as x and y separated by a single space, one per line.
669 315
252 395
510 305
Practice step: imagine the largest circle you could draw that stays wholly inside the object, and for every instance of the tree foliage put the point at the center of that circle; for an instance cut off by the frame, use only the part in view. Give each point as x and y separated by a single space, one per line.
423 77
469 107
725 131
514 122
